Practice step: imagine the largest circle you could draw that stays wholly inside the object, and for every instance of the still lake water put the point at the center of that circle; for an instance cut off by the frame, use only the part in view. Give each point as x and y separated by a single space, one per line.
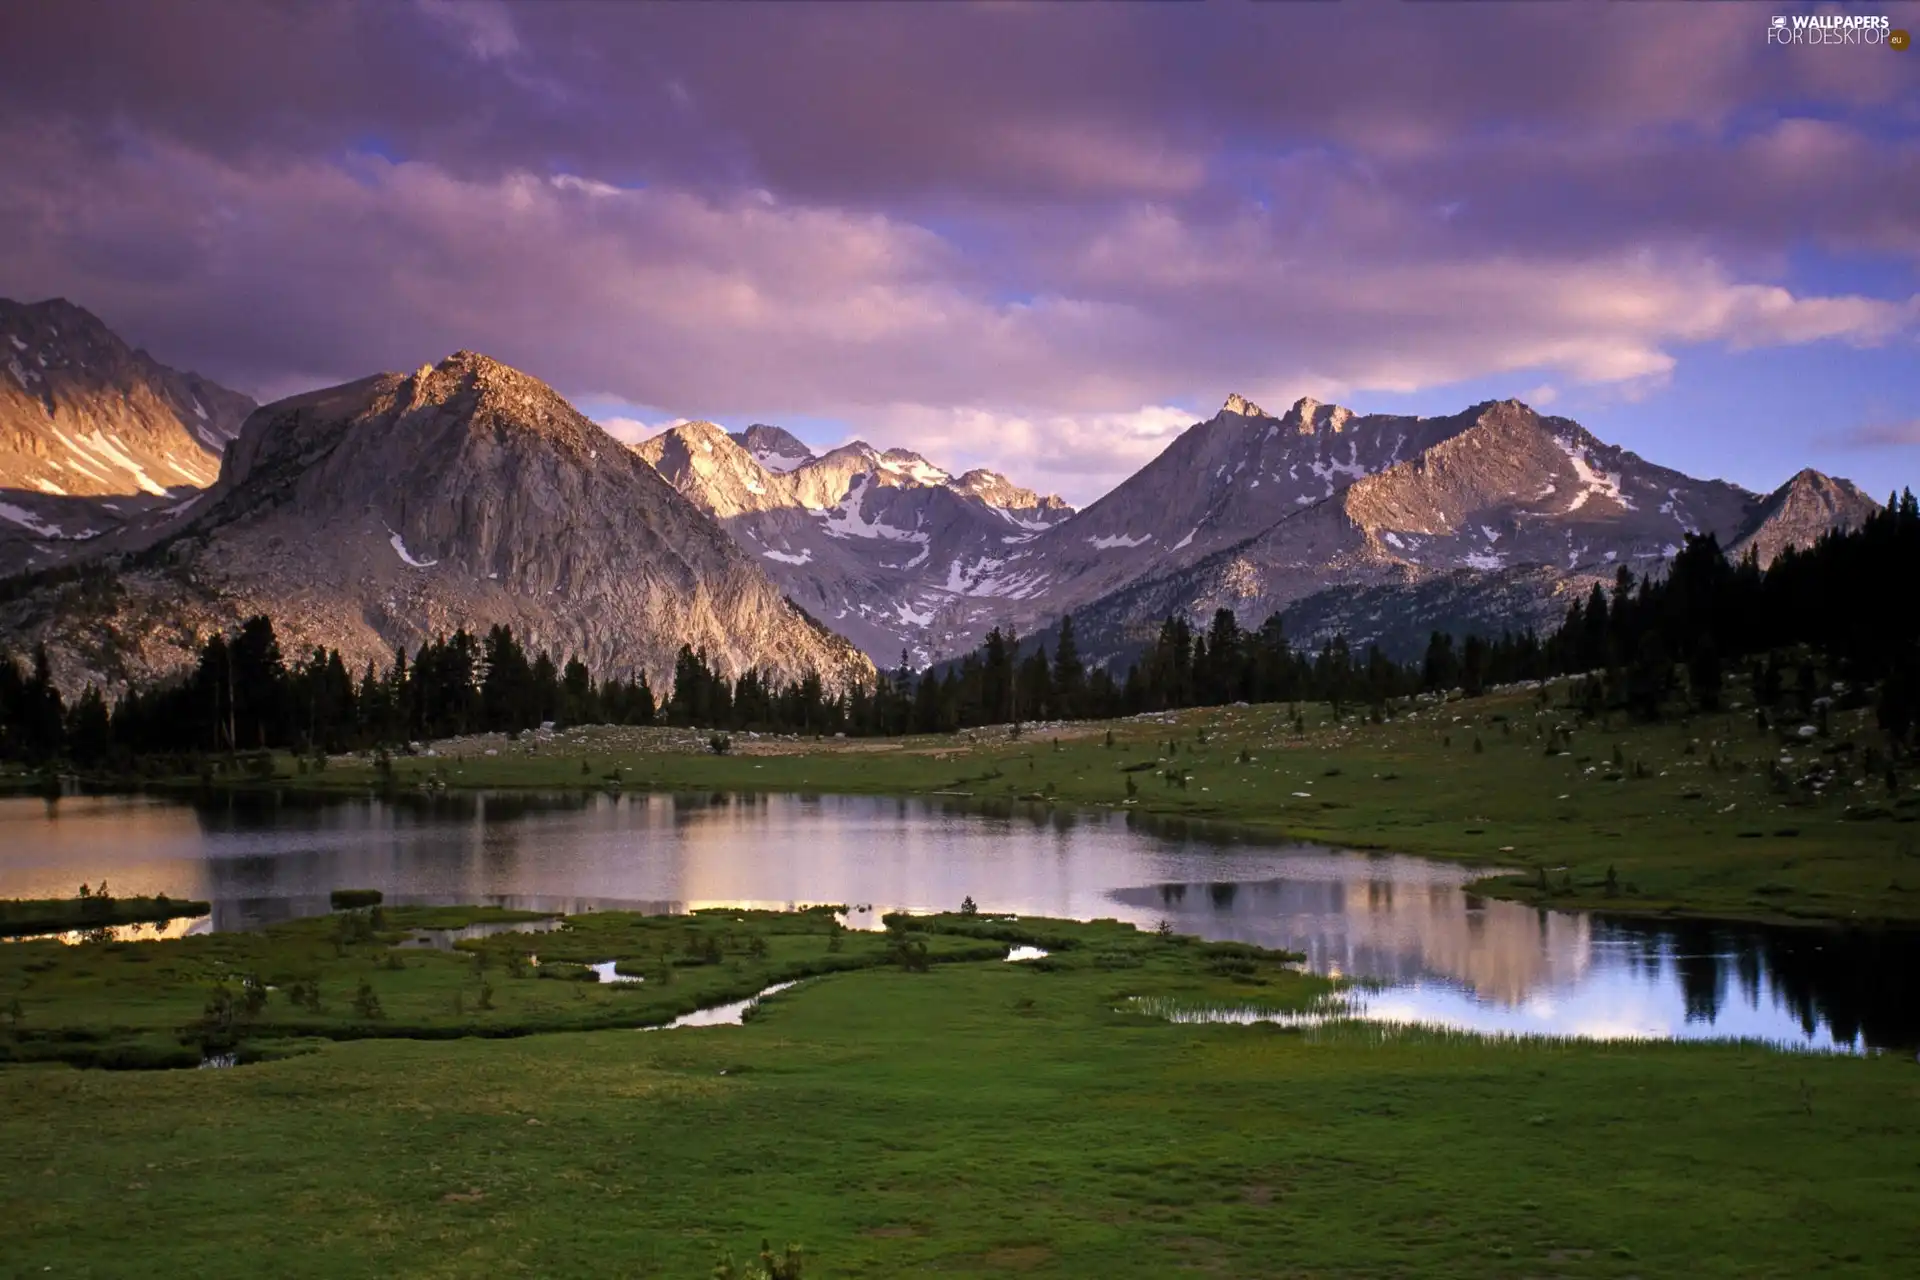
1431 952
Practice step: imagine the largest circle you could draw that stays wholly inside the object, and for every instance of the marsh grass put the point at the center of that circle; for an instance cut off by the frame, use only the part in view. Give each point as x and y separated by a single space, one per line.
981 1119
119 1004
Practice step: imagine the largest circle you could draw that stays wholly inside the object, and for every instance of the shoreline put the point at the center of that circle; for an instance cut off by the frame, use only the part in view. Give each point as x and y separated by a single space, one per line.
1671 821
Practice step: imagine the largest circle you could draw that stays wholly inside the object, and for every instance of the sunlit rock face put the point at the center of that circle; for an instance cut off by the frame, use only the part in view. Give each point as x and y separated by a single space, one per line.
94 435
385 511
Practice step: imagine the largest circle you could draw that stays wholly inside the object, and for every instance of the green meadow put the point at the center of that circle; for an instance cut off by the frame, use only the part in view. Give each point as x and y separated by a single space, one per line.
909 1113
918 1105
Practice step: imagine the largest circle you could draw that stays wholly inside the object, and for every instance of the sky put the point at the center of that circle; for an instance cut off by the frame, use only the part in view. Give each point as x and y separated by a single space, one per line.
1044 237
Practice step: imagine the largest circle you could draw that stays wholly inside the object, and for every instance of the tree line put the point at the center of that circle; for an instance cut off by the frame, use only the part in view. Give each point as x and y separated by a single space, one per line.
1845 609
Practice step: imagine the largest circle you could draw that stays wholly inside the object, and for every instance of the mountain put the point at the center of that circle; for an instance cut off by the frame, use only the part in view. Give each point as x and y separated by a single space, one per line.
1482 521
1799 511
397 507
388 510
95 434
1381 526
889 549
772 448
1218 483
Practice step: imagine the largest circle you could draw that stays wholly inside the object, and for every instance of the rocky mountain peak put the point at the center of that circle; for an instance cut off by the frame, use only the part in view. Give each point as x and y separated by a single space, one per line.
488 396
996 490
908 465
1799 512
1507 412
774 448
1310 417
1237 403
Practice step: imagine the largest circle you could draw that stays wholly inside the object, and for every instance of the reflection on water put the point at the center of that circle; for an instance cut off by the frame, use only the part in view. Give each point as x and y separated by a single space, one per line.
608 973
446 939
722 1015
1406 926
1429 952
151 931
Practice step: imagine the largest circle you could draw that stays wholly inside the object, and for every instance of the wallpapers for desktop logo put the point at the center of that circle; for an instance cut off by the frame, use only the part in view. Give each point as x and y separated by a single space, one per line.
1836 28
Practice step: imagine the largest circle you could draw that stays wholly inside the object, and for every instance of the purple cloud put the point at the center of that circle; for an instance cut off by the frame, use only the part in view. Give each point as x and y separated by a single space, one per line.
1035 237
1884 434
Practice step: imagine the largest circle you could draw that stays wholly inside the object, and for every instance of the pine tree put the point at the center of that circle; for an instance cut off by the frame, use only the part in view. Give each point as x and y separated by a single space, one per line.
1069 674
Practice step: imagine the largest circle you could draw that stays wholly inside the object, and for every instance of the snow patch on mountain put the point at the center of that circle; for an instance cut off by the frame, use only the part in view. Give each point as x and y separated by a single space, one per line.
787 557
1118 540
1595 483
911 465
400 548
30 522
1036 526
847 520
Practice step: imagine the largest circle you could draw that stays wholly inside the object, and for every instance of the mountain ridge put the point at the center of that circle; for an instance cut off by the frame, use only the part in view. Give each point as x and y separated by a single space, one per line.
483 482
1567 508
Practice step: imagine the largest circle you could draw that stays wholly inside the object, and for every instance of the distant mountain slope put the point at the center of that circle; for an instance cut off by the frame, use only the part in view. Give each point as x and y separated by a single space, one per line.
385 511
93 433
1487 527
887 548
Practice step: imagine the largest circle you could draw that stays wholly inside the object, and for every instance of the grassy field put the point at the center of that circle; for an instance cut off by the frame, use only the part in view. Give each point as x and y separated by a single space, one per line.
1688 816
976 1119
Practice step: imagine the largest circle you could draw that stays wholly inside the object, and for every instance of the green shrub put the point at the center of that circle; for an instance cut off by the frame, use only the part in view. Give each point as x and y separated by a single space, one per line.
366 1004
561 971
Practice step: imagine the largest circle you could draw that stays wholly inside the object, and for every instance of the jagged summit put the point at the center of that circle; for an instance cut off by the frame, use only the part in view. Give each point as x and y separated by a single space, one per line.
1310 417
1237 403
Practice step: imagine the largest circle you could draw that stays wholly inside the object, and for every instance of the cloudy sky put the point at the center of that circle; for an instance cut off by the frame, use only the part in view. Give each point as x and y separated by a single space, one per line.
1040 237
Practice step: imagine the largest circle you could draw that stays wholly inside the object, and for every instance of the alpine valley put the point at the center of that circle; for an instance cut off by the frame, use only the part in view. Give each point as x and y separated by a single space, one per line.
382 512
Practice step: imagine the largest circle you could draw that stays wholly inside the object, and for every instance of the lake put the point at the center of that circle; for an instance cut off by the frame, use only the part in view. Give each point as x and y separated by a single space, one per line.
1427 950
